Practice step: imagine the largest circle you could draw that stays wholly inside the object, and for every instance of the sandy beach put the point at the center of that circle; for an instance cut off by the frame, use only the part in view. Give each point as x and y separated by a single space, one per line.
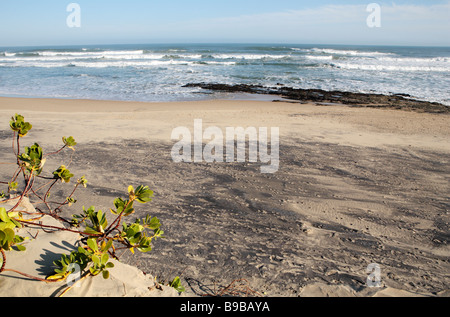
355 186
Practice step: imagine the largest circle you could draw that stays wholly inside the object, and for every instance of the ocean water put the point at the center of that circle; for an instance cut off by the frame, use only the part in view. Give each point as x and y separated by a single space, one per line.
158 72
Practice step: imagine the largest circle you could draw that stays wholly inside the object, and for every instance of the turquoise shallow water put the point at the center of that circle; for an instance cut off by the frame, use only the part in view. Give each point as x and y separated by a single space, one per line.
158 72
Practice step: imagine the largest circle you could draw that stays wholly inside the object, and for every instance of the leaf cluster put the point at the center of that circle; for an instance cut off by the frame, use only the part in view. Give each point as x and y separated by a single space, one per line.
99 239
69 142
95 221
136 234
8 237
105 238
94 255
33 159
19 125
63 174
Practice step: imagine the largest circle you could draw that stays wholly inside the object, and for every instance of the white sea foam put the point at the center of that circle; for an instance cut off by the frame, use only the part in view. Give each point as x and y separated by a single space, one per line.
86 53
220 63
320 57
391 67
249 56
348 52
421 60
45 59
109 63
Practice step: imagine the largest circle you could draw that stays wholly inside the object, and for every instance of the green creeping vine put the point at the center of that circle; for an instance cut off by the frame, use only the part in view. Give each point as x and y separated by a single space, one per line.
99 240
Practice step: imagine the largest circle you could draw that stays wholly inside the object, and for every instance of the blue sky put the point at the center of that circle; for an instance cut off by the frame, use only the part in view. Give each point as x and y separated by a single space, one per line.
43 22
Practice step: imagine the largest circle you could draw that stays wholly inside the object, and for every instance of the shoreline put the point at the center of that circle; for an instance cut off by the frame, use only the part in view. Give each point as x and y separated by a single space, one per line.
282 93
326 97
355 186
321 120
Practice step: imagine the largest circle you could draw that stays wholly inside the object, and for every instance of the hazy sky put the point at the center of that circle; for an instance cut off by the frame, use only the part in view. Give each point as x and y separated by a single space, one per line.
43 22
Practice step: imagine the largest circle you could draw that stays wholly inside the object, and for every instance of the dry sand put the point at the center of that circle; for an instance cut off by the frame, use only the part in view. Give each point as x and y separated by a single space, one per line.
355 186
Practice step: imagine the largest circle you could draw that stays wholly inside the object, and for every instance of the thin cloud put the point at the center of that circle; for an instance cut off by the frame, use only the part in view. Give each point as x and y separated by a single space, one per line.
401 24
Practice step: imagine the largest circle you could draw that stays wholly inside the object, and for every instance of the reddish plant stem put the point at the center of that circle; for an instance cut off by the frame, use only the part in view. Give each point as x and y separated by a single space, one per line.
48 191
18 147
118 219
26 190
4 260
53 153
16 174
30 276
36 190
70 196
58 228
43 201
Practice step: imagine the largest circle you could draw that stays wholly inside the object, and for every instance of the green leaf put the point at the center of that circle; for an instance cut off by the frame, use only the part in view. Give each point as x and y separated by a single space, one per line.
92 243
113 211
2 238
130 189
82 181
129 210
143 194
109 265
94 271
57 277
69 142
20 247
96 260
63 174
71 201
6 238
104 258
102 220
33 159
120 204
12 186
145 249
154 224
105 274
106 245
9 234
90 230
19 125
18 239
82 251
7 225
3 215
176 284
16 223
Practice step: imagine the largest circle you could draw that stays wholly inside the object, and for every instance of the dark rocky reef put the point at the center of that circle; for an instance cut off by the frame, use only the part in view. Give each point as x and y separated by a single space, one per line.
394 101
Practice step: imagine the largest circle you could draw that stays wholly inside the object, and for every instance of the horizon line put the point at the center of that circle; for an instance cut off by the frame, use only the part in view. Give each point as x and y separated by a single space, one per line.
227 43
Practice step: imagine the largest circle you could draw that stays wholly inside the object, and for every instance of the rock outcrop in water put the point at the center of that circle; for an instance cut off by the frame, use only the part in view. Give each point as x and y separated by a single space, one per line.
394 101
